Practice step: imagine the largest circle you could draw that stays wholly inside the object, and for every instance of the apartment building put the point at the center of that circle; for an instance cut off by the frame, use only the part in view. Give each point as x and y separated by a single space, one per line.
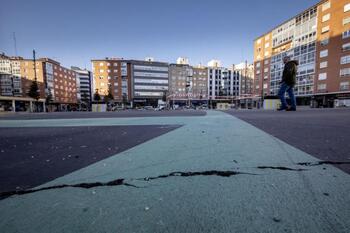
84 84
59 82
54 80
200 83
245 75
332 82
318 39
223 83
245 72
149 82
10 77
135 81
187 84
180 83
112 75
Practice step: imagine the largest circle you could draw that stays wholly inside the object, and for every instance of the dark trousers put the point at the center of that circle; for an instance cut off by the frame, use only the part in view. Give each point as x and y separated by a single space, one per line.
289 89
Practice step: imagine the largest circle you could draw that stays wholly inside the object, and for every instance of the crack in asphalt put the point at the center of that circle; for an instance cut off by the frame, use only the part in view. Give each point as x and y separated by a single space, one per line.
205 173
282 168
120 182
117 182
322 163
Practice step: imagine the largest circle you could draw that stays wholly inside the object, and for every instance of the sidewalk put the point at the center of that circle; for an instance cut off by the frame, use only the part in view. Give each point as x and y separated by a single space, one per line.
216 173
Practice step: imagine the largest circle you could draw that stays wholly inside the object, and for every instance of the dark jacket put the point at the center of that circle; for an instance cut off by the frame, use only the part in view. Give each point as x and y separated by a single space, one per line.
290 73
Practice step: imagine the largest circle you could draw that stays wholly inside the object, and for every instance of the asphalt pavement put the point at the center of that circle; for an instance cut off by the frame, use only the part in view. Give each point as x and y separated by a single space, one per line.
323 133
35 155
116 114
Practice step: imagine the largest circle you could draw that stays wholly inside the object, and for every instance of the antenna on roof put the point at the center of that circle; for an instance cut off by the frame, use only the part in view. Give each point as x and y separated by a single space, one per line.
15 43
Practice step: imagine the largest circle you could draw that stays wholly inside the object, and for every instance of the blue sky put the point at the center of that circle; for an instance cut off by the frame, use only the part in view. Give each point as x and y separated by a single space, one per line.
75 31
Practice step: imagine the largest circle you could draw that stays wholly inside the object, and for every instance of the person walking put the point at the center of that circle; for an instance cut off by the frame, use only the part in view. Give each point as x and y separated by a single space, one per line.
288 83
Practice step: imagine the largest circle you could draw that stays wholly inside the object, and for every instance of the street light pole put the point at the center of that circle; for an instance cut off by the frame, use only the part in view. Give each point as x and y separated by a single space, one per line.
34 60
35 78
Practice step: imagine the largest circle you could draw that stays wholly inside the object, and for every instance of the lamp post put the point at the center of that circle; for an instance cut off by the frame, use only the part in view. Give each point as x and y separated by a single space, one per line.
36 80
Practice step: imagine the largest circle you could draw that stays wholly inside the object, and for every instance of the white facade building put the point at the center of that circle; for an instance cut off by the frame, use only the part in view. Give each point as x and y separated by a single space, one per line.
223 83
84 84
10 77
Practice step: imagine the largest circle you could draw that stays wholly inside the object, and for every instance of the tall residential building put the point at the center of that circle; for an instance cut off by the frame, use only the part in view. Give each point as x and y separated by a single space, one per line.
200 83
10 77
112 75
180 82
319 39
149 82
52 78
58 81
188 84
245 72
137 82
84 84
332 82
223 83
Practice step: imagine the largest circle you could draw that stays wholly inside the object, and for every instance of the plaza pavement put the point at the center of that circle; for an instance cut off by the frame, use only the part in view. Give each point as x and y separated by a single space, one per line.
215 173
322 133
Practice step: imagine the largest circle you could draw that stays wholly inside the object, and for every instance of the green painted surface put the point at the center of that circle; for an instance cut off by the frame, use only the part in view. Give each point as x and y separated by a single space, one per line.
261 201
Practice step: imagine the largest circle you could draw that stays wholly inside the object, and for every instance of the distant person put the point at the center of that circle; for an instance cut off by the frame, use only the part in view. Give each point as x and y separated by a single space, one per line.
288 83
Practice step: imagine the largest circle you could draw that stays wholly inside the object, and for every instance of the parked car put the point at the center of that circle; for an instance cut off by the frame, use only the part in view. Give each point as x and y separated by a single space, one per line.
160 108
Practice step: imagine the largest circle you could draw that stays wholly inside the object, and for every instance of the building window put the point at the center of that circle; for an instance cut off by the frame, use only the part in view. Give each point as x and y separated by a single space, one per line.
324 53
321 87
266 70
346 21
259 41
344 86
267 53
325 41
101 63
266 62
324 64
257 65
347 7
267 45
101 71
345 72
326 6
325 29
326 17
322 76
346 34
345 60
346 47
